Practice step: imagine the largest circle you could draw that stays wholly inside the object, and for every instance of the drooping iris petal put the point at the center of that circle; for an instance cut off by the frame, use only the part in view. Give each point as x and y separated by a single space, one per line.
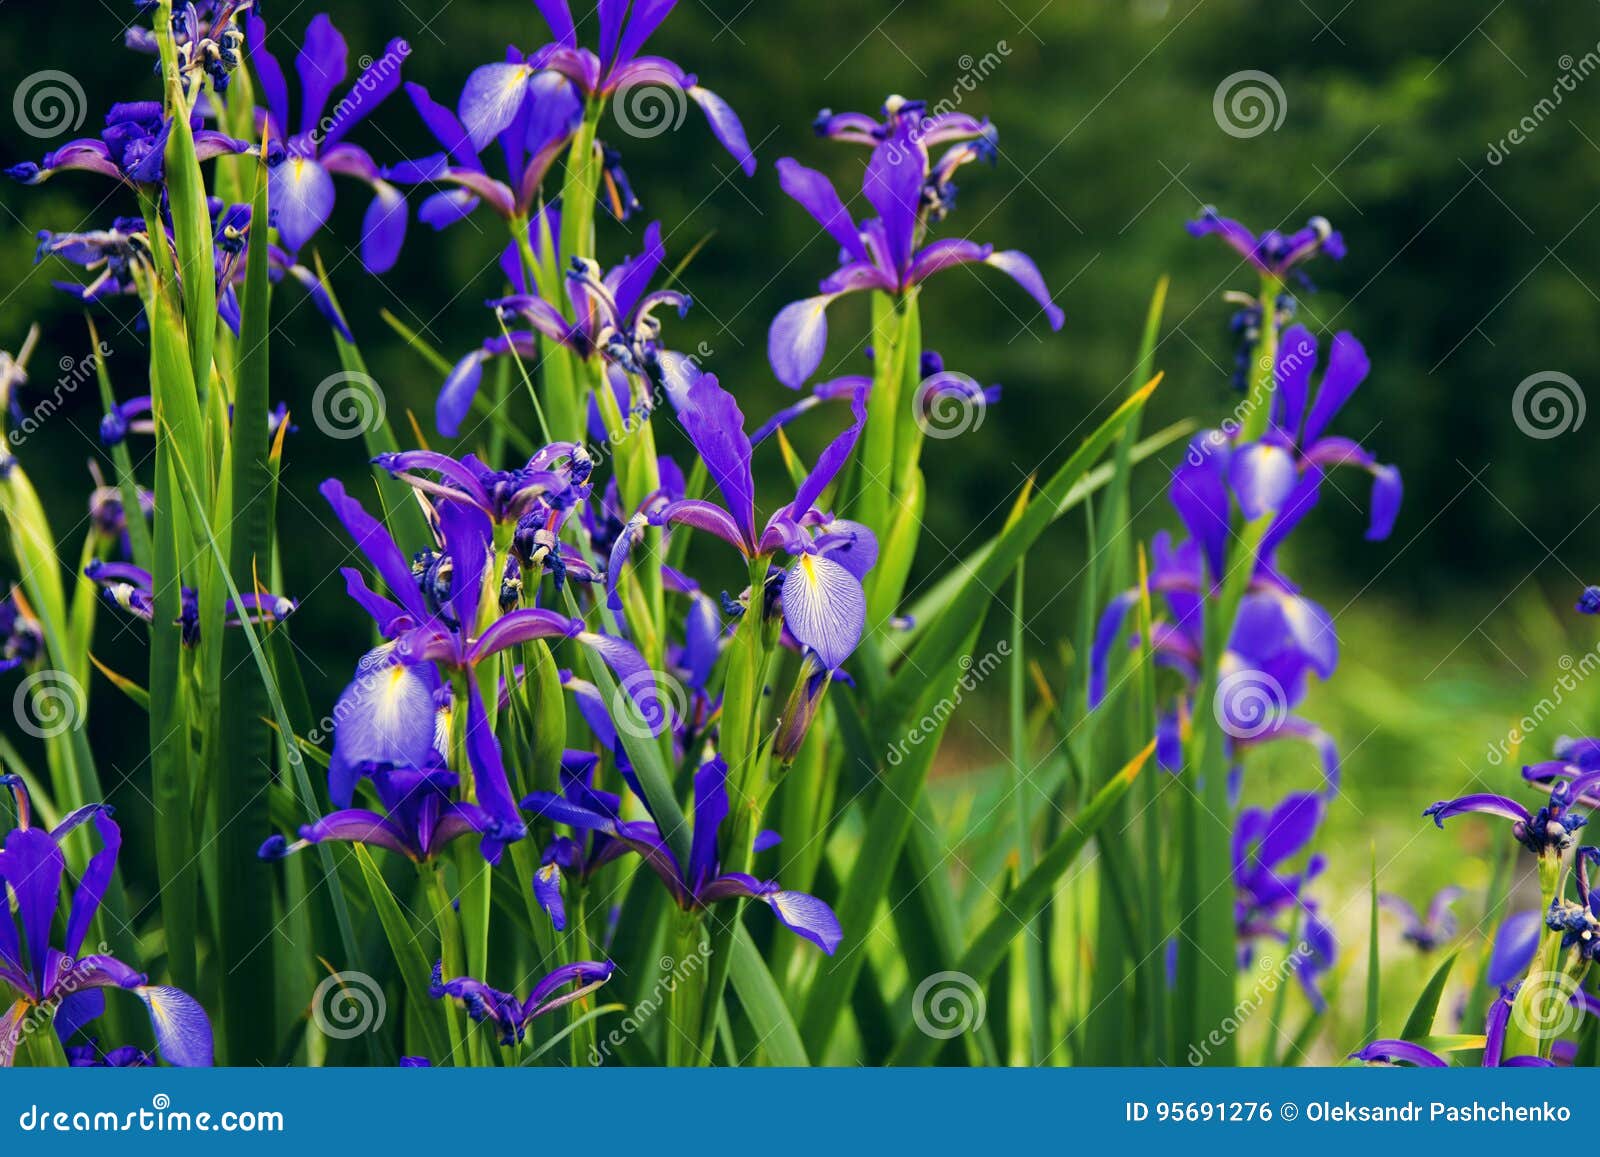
1515 944
183 1031
725 126
1488 803
386 717
383 230
1262 476
490 100
824 608
1387 493
1105 636
457 393
807 916
1021 269
301 194
798 339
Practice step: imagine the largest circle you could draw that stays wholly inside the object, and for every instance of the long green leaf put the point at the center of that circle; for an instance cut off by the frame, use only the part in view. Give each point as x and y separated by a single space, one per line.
990 945
1420 1023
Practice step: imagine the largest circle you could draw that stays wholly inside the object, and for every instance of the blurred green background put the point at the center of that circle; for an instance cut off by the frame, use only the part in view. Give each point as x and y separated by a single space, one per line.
1466 275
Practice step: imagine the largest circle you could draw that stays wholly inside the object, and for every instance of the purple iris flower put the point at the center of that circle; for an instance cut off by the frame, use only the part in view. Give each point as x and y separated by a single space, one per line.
205 34
887 253
302 164
130 588
1275 254
432 614
420 818
21 635
824 604
1279 639
1399 1052
1264 843
1589 601
510 1016
702 882
1426 932
113 254
131 148
61 980
615 319
969 139
1282 473
496 94
538 134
